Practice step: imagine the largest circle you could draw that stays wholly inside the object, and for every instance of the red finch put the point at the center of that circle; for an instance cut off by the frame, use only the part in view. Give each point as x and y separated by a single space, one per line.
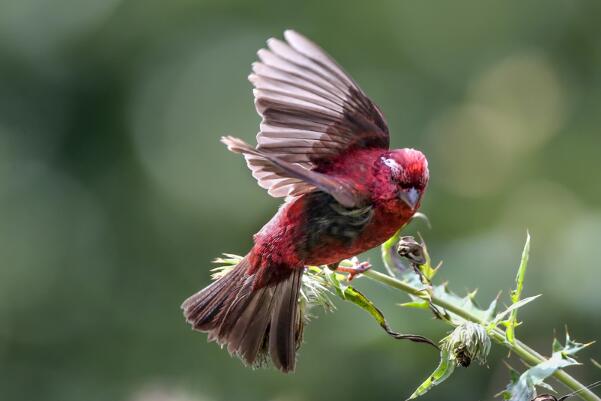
323 145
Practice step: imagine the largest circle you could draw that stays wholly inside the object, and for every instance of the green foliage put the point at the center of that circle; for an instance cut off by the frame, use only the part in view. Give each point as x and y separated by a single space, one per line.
469 341
390 257
510 311
474 326
524 387
348 293
443 371
512 322
461 311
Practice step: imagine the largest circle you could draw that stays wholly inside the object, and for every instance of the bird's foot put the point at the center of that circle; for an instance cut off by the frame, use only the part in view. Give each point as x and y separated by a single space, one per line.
356 269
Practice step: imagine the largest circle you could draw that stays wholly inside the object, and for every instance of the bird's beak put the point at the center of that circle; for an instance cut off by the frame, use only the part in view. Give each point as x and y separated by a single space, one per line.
410 197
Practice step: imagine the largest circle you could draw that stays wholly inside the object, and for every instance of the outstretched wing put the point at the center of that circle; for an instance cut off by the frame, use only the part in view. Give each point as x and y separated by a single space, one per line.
312 113
344 192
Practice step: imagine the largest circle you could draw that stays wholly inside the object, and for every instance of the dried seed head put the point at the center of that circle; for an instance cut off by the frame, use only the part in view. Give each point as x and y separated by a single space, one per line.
411 249
468 342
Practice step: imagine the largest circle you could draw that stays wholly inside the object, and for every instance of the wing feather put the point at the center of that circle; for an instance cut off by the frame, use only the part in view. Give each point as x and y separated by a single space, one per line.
279 175
312 113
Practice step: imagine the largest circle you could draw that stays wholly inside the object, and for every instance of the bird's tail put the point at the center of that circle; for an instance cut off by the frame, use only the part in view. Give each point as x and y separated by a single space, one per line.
251 322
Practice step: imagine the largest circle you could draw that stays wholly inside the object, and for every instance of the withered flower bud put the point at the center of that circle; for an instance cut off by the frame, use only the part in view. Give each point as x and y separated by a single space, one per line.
412 250
468 342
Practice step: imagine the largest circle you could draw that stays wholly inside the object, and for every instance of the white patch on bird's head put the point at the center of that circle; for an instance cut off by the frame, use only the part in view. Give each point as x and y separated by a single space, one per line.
394 167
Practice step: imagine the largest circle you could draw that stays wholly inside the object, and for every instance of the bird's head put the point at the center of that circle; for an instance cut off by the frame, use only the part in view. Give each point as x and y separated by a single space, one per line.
403 177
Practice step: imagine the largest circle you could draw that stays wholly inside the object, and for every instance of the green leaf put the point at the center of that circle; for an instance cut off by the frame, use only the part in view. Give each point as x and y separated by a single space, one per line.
571 346
466 303
514 376
500 316
525 388
595 363
427 270
556 345
391 261
512 322
348 293
390 256
445 369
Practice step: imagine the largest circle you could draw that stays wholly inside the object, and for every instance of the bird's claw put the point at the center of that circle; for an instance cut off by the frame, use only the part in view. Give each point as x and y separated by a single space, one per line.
356 269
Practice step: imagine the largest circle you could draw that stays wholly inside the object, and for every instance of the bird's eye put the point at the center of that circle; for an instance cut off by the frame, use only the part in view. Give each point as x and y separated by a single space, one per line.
394 167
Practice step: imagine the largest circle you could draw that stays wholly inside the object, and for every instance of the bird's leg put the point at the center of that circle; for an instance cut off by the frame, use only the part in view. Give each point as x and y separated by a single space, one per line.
354 270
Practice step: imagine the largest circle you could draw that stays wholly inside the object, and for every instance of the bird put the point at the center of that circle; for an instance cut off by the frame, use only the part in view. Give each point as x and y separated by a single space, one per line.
323 146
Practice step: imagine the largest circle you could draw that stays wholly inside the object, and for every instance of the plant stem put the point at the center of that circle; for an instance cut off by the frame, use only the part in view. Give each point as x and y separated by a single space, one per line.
519 348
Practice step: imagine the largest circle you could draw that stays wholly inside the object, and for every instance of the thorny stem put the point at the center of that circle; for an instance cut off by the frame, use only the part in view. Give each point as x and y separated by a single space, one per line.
519 348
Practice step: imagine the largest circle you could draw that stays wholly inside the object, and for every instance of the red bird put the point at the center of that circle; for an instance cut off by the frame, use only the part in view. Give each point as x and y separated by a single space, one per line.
323 145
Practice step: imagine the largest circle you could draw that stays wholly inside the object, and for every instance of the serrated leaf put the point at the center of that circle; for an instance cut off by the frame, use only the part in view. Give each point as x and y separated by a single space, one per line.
427 270
491 310
392 262
517 293
556 346
571 346
445 369
514 376
500 316
466 303
525 388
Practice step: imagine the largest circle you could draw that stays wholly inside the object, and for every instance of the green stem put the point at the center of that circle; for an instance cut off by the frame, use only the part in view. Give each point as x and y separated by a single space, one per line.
519 348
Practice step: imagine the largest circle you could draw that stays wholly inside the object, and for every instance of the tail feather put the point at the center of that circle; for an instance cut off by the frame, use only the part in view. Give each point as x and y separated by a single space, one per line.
282 333
255 312
202 308
251 322
253 345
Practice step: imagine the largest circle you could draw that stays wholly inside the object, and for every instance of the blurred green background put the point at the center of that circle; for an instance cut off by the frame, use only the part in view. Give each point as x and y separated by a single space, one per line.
115 193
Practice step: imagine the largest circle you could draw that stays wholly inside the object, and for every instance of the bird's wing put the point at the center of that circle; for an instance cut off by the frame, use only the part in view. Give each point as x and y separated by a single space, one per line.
275 174
312 111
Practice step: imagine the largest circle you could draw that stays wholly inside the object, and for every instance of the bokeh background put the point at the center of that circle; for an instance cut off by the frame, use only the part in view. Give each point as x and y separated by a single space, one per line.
115 193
